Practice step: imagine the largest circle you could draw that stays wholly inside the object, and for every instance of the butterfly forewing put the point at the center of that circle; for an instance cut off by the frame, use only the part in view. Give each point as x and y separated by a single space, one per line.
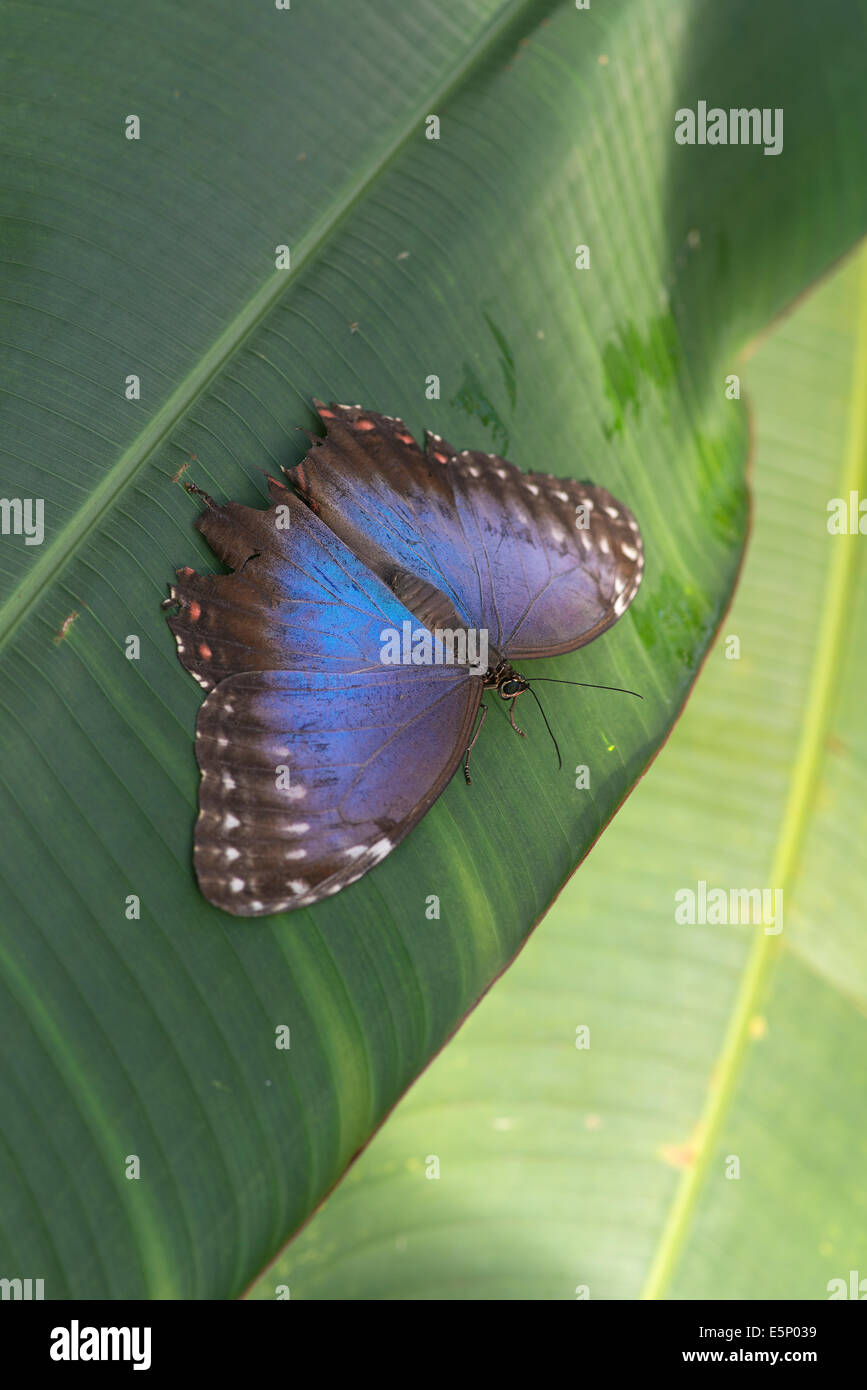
543 564
299 599
390 503
560 561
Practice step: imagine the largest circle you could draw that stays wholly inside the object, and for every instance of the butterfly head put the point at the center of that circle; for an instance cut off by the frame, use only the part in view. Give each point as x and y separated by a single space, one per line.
512 686
506 681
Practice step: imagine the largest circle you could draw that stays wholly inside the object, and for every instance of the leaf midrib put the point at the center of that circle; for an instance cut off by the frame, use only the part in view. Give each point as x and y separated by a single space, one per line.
103 497
829 654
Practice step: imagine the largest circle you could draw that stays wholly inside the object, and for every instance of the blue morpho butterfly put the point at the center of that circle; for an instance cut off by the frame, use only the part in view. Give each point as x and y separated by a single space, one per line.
316 757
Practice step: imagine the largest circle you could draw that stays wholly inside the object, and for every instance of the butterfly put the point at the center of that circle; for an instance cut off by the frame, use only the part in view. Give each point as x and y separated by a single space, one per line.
317 754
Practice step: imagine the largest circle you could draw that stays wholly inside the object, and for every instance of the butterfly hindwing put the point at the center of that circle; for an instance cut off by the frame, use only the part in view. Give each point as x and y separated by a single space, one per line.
309 779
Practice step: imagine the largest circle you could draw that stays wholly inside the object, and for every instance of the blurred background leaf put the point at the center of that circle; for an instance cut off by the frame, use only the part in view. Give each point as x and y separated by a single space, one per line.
154 1036
611 1167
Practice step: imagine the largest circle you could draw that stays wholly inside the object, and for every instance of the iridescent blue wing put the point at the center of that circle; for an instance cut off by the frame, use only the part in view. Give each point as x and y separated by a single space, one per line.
297 600
316 758
544 564
309 779
370 483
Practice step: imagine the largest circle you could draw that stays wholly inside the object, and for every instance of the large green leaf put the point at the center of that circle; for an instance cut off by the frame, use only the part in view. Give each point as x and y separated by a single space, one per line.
410 257
611 1166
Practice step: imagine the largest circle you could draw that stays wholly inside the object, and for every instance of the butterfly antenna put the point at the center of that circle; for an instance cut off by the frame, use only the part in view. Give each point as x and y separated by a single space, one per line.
588 685
547 725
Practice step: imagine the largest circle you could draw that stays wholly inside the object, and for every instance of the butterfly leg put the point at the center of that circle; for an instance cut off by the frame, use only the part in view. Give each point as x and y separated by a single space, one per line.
197 492
512 719
483 710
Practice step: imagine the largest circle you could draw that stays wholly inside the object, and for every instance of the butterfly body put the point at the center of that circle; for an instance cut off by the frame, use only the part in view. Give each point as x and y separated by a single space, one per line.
317 758
507 682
